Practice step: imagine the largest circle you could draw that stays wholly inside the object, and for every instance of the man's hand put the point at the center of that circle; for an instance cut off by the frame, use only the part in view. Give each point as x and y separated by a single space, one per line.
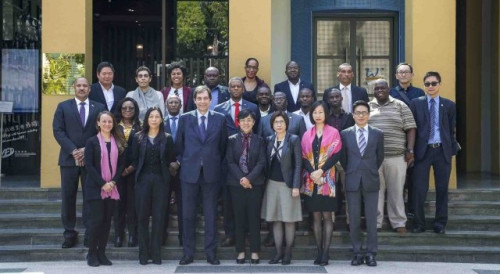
245 183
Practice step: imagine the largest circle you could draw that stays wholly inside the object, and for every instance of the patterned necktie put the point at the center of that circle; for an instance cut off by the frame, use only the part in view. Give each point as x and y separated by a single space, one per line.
236 113
243 162
176 92
203 130
432 120
361 141
173 127
82 113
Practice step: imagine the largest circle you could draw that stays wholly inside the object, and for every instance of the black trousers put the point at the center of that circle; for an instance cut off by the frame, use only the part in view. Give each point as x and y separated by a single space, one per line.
228 221
433 157
100 213
70 176
175 186
151 200
246 206
125 213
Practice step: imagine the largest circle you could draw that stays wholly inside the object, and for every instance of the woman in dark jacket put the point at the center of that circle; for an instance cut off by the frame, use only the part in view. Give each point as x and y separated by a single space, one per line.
104 164
153 151
127 116
246 159
281 204
251 81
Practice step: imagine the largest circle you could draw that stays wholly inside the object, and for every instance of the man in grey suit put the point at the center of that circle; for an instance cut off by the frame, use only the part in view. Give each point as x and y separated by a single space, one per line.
362 155
296 125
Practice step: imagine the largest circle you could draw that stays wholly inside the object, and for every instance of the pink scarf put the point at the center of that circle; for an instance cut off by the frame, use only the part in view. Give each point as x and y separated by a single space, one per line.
330 144
107 174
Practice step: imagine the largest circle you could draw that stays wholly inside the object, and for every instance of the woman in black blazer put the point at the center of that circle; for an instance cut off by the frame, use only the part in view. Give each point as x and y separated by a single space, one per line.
127 116
104 164
281 204
246 159
153 151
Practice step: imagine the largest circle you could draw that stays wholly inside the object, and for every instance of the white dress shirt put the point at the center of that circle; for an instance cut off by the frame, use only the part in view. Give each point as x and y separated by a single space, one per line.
108 95
346 97
294 89
87 102
309 125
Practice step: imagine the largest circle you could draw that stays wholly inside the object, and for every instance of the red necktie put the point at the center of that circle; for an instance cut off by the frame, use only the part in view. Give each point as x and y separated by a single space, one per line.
236 113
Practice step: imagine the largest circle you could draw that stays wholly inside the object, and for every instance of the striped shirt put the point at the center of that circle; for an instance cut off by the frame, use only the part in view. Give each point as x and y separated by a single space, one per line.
394 118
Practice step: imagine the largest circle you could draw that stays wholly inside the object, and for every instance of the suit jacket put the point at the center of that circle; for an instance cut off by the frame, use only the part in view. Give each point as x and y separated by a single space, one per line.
291 159
69 131
362 168
357 93
192 150
167 154
285 88
225 108
223 96
128 151
447 121
256 160
96 94
296 125
186 94
93 180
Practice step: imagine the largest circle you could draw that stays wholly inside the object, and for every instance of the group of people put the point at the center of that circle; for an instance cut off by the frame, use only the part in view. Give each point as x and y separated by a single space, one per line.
263 153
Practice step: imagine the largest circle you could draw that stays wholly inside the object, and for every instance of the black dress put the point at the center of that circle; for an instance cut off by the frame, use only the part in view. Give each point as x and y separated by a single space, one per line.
317 203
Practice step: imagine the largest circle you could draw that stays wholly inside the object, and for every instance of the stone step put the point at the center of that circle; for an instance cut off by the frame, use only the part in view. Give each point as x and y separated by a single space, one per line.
467 207
452 253
469 195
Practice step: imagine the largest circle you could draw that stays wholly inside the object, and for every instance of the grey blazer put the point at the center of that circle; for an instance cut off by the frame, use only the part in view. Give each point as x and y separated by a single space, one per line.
362 168
291 158
296 125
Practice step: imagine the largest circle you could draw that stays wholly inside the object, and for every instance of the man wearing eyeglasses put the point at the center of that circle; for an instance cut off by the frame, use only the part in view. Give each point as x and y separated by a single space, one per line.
405 91
104 91
435 145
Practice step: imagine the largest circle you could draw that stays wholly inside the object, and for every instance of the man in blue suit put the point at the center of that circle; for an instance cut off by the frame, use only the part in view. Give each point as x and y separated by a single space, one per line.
218 92
435 146
293 85
104 91
201 143
74 123
231 109
350 92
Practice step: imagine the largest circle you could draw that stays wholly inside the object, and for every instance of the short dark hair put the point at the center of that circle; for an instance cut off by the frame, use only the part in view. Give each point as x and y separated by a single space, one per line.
433 73
104 64
244 113
143 68
314 106
250 59
118 110
277 114
200 89
177 65
404 64
360 103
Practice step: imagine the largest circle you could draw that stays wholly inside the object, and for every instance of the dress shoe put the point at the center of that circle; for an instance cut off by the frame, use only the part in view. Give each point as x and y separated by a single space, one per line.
439 230
227 242
277 259
317 261
287 259
143 261
185 260
240 261
418 229
213 261
324 259
69 242
92 259
254 261
118 241
132 240
269 241
157 261
103 260
357 260
370 260
401 229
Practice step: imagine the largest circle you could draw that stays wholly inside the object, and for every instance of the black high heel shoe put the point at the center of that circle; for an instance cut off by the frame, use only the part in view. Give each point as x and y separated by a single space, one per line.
277 259
324 259
287 259
254 261
240 261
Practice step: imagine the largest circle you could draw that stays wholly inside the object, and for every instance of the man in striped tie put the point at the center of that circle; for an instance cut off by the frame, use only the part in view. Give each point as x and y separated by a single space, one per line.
362 155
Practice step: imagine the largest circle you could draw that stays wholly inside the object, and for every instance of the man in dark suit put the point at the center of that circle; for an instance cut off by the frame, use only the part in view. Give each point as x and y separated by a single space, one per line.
362 155
173 106
350 92
219 93
296 125
293 85
104 91
201 143
231 109
74 122
435 146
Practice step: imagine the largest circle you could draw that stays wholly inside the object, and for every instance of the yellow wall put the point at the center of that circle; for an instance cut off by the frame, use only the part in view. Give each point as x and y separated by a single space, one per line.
430 45
66 28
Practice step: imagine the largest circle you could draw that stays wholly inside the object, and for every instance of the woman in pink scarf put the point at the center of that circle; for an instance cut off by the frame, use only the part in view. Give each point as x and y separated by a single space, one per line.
104 164
320 151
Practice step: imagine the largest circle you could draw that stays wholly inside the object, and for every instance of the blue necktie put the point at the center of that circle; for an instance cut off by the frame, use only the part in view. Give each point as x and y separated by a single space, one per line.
173 127
432 122
82 113
203 130
362 141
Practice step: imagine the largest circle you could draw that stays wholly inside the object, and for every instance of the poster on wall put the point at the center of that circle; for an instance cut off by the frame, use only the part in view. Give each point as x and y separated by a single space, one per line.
20 79
60 71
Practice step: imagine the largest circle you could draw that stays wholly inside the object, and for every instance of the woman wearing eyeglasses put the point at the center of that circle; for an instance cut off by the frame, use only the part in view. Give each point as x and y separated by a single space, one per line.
251 81
127 117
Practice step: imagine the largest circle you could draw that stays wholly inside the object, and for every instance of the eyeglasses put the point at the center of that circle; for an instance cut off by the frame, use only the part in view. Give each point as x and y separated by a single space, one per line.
361 113
128 108
428 84
279 122
403 72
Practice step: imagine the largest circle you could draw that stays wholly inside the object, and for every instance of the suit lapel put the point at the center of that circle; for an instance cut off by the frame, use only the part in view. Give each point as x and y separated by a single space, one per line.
253 148
196 127
76 113
285 144
91 114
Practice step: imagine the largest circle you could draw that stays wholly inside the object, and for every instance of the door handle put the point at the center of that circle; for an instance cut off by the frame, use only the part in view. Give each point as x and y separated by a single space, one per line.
347 55
360 54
